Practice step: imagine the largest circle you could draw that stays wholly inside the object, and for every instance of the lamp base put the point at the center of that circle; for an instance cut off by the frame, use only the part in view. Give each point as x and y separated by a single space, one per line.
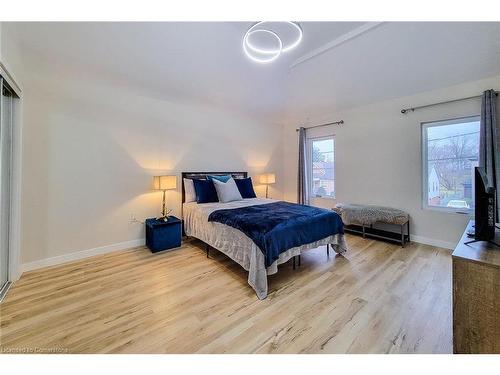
164 210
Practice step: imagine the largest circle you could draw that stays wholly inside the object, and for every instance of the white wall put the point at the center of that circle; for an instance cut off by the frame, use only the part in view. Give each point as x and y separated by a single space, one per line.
90 151
8 55
378 156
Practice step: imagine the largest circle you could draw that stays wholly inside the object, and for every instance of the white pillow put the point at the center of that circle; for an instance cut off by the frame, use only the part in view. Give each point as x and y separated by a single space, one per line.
227 191
189 192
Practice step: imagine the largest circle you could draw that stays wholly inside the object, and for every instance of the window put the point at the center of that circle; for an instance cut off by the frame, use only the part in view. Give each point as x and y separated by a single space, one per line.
450 153
321 167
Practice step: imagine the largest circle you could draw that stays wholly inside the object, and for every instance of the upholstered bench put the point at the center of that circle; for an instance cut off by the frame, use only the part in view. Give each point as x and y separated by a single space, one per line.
359 218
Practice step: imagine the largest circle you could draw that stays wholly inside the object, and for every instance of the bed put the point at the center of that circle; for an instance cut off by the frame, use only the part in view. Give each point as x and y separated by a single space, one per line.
198 221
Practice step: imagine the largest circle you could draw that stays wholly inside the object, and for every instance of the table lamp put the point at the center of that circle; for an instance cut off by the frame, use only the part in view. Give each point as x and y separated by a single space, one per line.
267 179
164 183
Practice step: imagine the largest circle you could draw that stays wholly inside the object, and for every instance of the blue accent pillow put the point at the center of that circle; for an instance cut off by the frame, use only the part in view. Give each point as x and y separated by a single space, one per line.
245 187
205 191
223 178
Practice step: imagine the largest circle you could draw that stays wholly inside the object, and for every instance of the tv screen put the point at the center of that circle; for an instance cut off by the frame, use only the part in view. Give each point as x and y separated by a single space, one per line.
485 207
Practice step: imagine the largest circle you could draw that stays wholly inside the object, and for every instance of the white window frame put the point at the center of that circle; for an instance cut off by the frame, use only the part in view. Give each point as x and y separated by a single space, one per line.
310 166
425 172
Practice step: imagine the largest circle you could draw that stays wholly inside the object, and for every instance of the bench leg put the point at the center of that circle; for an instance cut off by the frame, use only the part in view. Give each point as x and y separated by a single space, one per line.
364 236
403 239
408 229
293 263
207 248
327 250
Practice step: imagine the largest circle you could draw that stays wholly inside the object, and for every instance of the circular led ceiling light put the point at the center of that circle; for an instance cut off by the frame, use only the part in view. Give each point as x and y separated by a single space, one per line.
260 54
274 53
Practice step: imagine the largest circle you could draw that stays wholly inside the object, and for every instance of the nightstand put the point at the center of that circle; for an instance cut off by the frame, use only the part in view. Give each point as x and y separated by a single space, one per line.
163 235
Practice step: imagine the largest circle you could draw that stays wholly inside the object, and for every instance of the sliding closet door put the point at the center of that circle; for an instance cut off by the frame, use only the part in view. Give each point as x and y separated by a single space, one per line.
5 181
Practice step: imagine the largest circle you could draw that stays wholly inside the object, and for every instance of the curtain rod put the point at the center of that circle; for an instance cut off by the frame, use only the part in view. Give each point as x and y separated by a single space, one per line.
412 109
329 123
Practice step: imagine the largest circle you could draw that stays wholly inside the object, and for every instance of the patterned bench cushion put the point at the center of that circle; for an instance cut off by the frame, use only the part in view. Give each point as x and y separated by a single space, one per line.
361 214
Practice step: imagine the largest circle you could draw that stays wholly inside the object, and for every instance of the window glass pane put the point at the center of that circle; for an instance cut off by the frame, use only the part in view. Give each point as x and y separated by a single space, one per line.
322 181
452 154
324 145
324 173
323 188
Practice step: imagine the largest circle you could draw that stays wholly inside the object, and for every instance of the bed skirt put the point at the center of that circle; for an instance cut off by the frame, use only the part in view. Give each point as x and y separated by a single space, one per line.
237 246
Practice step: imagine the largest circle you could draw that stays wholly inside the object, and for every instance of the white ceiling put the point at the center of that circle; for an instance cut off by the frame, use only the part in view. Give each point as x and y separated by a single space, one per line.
202 62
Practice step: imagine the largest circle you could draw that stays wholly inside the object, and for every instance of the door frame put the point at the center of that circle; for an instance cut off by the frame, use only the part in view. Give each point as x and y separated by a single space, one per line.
16 176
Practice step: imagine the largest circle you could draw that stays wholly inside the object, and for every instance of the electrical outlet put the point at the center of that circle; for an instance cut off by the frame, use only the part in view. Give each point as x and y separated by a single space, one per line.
133 220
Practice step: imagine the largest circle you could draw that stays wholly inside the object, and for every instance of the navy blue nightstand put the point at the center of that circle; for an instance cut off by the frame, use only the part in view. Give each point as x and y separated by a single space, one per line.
163 235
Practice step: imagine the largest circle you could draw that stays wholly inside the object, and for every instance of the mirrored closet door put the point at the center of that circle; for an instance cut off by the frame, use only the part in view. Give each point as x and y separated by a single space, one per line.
6 112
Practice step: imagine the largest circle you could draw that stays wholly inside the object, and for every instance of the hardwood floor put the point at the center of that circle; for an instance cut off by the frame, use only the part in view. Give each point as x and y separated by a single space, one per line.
379 298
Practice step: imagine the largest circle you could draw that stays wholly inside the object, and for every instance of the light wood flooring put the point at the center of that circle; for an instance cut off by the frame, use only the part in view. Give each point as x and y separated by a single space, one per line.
379 298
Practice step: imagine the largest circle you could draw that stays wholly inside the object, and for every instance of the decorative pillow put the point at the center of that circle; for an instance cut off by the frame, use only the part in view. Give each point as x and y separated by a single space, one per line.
205 191
189 192
227 191
223 178
245 187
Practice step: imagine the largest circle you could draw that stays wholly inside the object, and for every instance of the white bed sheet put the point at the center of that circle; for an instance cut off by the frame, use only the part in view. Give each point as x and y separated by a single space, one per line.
238 246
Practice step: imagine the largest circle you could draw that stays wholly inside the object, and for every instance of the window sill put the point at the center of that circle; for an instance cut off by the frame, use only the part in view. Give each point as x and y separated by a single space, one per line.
446 210
325 197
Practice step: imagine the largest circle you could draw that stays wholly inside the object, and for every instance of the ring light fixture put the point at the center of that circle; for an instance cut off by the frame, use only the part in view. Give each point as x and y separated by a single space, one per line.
255 53
275 54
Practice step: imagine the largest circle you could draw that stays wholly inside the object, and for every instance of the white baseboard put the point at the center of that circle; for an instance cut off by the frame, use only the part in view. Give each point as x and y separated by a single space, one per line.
433 242
30 266
80 255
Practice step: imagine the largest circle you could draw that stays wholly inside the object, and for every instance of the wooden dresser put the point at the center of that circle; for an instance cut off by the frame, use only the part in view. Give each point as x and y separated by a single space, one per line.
476 296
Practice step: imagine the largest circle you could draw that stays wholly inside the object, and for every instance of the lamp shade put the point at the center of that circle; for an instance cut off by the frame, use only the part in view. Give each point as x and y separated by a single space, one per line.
268 178
164 182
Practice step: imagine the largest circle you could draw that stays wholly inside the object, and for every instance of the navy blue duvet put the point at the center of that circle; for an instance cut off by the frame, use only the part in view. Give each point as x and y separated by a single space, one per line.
277 227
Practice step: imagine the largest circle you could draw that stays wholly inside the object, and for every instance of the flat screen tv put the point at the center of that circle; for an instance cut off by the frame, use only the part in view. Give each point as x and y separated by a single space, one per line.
485 207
